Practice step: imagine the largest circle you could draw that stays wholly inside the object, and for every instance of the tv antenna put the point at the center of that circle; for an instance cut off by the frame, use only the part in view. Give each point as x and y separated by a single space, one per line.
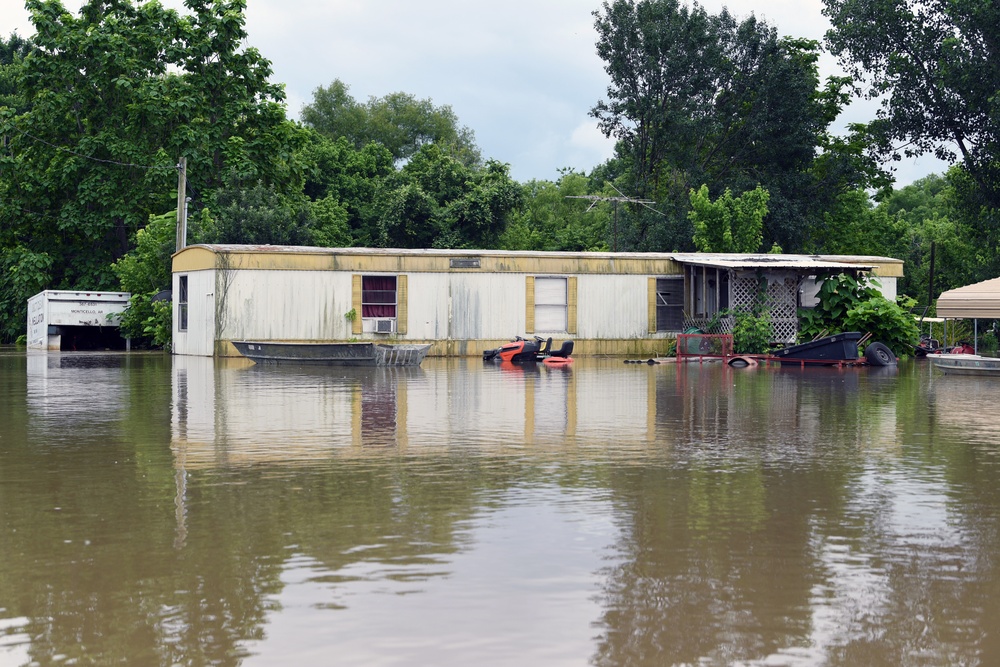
597 199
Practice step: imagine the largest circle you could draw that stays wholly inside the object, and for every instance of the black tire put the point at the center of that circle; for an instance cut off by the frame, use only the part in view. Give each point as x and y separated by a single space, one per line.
879 354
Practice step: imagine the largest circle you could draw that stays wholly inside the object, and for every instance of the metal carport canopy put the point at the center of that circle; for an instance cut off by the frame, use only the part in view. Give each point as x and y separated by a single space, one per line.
977 301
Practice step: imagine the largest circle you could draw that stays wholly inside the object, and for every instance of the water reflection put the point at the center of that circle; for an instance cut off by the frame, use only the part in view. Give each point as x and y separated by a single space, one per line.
968 405
234 414
180 511
792 538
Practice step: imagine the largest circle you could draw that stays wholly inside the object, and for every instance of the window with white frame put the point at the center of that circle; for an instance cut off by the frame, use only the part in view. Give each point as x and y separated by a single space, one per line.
551 312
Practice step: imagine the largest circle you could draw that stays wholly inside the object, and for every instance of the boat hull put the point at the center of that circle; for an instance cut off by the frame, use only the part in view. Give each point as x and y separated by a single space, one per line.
332 354
966 364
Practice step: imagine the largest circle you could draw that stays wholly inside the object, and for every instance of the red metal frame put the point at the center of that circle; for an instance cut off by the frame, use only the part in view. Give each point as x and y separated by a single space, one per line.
704 346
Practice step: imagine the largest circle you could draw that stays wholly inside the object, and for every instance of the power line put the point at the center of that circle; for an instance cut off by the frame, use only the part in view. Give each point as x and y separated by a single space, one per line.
94 159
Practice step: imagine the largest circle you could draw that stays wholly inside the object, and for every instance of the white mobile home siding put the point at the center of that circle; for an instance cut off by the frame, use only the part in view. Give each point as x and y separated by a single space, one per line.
465 306
311 305
285 305
613 307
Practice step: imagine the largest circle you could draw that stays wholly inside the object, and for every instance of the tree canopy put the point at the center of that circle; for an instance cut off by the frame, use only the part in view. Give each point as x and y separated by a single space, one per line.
112 98
12 54
437 201
108 100
728 224
556 215
935 67
697 98
399 121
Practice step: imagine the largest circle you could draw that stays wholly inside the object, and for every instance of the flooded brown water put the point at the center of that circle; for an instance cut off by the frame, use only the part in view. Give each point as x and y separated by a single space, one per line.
180 511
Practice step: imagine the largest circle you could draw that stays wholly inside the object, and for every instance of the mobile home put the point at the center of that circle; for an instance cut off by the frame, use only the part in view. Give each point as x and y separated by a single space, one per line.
465 301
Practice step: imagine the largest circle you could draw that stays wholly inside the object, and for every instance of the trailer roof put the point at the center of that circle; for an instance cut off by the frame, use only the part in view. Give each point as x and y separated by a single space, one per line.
513 259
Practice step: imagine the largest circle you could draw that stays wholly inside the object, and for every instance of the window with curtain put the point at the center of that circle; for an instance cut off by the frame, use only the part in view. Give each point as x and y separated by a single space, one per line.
550 305
378 296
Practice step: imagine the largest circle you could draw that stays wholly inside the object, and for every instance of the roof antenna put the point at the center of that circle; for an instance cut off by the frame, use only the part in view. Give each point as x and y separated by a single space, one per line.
596 199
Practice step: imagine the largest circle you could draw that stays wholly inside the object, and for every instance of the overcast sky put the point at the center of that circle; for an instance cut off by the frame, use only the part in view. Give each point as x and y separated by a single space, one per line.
522 75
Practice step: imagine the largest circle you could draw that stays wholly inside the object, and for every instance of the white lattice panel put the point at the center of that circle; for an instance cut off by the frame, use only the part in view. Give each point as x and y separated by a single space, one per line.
744 292
782 301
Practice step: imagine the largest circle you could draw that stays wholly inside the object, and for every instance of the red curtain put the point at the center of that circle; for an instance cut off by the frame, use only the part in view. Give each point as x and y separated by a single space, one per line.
378 296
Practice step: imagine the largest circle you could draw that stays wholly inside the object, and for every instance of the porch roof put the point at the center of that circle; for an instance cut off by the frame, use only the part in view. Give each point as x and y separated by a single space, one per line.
798 263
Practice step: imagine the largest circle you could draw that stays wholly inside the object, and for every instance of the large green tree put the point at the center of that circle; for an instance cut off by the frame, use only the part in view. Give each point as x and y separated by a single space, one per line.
23 271
249 211
927 217
571 213
698 98
923 219
399 121
113 97
935 67
343 183
144 271
435 200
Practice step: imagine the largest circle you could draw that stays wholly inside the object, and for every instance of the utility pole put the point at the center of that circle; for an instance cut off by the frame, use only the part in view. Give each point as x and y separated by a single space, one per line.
596 199
181 204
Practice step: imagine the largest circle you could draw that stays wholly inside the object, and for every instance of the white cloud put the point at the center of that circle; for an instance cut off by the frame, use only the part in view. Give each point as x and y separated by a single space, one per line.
588 138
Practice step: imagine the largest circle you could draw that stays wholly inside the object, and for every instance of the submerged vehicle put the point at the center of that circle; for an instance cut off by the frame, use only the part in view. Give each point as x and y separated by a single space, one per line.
522 351
928 346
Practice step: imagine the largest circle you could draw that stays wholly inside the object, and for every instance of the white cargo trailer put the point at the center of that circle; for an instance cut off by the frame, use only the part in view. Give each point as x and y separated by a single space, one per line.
69 320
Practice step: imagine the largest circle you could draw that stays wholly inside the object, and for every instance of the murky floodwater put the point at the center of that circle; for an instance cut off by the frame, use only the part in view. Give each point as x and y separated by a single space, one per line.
158 511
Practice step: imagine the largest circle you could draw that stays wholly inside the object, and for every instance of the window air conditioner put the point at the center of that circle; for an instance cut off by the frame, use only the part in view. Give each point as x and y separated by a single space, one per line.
385 326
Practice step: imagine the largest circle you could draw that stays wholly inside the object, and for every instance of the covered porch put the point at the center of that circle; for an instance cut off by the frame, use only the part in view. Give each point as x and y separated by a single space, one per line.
715 285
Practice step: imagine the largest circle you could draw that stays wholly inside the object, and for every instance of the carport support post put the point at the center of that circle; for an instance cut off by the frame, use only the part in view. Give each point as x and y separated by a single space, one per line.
181 203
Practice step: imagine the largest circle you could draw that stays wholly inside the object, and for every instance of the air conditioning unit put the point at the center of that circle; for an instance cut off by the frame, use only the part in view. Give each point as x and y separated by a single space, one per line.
385 325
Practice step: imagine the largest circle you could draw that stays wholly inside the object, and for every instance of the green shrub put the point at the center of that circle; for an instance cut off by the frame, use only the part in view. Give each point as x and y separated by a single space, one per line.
989 343
752 331
159 325
848 304
144 271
